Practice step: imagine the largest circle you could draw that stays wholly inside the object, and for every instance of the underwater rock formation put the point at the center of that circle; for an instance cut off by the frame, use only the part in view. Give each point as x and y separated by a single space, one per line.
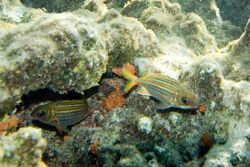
235 57
22 148
169 23
62 52
69 51
237 148
224 87
213 14
127 39
14 12
69 56
75 50
237 12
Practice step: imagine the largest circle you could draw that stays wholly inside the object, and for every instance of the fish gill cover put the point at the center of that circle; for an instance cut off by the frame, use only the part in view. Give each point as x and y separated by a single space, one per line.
49 49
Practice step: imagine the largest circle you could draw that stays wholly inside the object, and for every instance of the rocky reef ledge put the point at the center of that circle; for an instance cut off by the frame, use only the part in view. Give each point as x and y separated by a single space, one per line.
69 46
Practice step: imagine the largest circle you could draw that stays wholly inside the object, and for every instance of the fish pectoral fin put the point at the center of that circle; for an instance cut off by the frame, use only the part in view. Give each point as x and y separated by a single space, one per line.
163 105
143 91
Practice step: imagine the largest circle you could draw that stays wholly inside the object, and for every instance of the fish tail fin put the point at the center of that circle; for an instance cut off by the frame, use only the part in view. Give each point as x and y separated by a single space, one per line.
132 79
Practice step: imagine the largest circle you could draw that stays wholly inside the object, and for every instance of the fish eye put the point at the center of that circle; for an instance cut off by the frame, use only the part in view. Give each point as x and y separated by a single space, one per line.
184 100
41 114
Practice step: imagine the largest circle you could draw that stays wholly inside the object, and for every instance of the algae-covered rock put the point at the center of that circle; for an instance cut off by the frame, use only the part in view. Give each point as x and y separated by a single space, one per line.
22 148
235 57
127 39
62 52
117 4
236 150
212 13
96 6
135 8
13 11
71 52
197 37
168 21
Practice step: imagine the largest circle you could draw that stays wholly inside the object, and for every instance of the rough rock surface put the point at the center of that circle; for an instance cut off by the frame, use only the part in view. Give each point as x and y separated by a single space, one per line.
191 41
62 52
13 11
22 148
69 51
235 57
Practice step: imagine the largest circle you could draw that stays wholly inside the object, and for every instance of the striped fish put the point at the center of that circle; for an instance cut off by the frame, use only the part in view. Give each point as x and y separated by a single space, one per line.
61 114
169 92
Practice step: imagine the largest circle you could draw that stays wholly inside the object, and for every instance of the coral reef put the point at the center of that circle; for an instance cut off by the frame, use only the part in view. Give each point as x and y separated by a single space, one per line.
22 148
76 45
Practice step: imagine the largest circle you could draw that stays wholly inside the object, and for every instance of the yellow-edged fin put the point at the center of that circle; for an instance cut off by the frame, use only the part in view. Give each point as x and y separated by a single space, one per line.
131 79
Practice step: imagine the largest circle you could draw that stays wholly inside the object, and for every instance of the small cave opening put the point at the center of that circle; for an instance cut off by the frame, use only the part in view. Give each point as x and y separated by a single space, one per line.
46 94
43 95
33 98
54 6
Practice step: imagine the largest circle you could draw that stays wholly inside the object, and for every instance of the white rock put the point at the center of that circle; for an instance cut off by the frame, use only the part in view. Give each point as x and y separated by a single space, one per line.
145 125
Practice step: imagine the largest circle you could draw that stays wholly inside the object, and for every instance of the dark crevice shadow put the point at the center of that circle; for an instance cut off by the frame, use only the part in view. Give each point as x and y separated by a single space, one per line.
54 6
192 111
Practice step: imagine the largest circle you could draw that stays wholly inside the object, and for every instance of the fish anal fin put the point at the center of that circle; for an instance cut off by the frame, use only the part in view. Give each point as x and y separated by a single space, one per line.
143 91
163 105
62 129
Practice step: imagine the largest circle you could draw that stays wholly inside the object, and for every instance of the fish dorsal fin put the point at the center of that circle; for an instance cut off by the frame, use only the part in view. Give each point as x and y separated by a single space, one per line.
143 91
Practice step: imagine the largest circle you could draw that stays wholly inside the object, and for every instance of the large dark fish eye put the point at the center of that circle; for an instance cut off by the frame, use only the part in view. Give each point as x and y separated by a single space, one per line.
184 100
41 114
